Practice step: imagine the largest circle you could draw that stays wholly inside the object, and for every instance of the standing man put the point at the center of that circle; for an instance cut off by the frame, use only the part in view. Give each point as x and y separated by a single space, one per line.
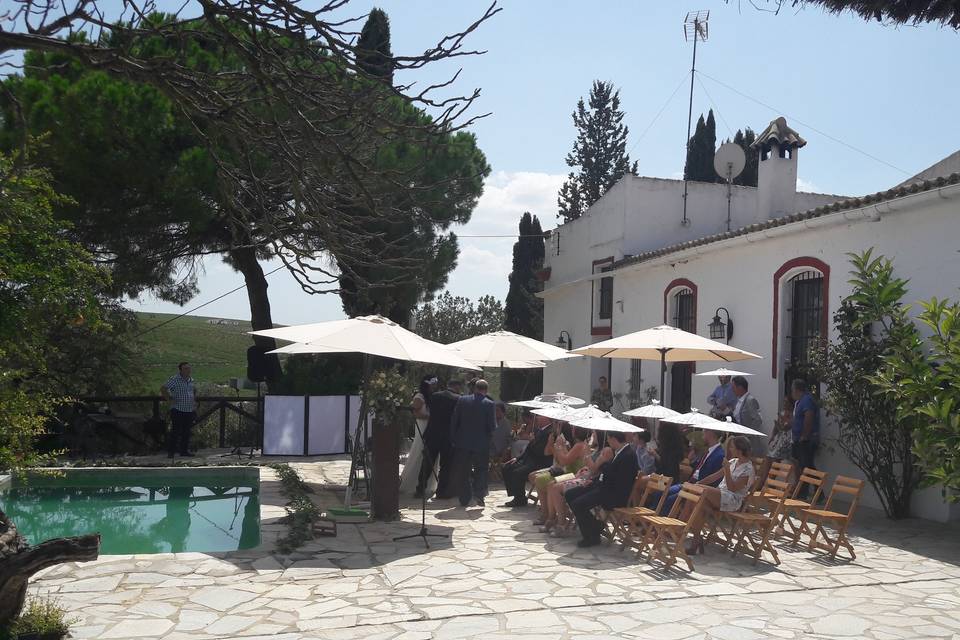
722 400
747 412
471 426
805 429
182 393
602 397
436 438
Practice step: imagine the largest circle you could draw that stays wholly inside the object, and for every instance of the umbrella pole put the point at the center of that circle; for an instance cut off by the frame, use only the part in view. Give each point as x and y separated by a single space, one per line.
663 371
359 452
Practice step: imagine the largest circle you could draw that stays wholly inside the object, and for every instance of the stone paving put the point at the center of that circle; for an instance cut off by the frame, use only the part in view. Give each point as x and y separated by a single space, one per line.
499 577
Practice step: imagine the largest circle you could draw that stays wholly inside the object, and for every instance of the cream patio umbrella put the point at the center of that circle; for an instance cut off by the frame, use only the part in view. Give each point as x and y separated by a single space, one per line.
699 420
498 348
666 344
654 410
723 371
370 336
605 422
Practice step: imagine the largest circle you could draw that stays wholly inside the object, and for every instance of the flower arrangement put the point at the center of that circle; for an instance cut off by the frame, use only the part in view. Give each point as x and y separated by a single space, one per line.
386 395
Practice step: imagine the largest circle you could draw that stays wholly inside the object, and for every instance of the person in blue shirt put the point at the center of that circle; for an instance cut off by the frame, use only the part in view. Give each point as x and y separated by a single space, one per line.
805 429
723 400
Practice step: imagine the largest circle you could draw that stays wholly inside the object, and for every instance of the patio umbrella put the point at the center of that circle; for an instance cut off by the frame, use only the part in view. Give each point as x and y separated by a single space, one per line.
569 414
723 371
653 410
371 336
605 422
560 398
666 344
499 348
699 420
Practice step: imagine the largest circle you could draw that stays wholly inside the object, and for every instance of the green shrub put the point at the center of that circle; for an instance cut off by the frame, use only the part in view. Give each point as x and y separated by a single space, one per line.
44 617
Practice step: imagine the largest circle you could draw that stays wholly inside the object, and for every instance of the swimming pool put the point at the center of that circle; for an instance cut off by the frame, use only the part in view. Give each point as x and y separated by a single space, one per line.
139 510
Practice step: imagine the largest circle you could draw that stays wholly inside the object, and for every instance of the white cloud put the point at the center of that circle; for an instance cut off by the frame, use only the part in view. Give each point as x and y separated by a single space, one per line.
807 186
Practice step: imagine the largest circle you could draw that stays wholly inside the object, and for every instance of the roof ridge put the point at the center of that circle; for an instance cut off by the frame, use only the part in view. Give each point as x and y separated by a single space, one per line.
834 207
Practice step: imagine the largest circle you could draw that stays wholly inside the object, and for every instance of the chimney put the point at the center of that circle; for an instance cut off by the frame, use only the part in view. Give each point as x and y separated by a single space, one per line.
778 147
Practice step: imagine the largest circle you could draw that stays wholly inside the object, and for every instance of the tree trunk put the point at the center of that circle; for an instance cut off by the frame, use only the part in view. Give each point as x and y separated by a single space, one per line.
245 260
19 561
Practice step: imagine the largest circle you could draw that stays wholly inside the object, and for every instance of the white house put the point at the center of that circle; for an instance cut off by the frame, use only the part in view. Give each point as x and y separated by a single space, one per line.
779 272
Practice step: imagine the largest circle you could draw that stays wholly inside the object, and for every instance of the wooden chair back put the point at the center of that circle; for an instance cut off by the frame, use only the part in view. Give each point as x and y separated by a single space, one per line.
813 478
657 482
779 471
689 494
639 493
847 486
775 491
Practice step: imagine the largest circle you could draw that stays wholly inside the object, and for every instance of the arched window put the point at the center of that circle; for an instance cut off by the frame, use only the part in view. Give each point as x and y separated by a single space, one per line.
800 316
680 310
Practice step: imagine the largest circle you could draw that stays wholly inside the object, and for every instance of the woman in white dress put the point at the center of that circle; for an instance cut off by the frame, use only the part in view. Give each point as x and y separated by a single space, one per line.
738 476
421 413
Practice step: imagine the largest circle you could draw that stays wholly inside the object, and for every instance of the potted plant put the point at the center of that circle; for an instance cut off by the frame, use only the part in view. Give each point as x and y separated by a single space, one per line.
41 619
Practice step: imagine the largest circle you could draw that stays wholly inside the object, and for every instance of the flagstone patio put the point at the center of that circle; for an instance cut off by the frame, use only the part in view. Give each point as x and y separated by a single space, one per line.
498 577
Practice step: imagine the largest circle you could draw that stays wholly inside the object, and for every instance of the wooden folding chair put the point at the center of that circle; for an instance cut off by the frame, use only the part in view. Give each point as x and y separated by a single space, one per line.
779 471
666 535
752 529
792 506
626 521
838 521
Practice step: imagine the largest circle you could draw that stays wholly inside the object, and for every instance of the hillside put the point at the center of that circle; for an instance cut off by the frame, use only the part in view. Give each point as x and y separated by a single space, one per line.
216 348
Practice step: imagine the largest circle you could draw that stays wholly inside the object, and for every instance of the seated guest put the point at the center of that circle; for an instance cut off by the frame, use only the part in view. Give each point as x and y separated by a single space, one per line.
557 507
735 476
706 466
645 459
568 459
610 490
670 450
502 435
534 457
523 436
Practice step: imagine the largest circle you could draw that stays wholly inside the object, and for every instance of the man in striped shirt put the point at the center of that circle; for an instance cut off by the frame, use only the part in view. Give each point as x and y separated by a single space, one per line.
182 394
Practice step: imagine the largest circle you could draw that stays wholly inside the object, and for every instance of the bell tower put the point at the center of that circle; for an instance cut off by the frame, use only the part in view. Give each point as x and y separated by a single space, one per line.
778 147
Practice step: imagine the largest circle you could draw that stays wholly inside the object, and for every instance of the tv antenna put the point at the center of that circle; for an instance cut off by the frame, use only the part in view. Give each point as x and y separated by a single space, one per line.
695 27
729 162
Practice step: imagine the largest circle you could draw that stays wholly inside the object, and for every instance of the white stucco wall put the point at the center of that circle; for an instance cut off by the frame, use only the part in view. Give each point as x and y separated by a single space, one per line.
918 232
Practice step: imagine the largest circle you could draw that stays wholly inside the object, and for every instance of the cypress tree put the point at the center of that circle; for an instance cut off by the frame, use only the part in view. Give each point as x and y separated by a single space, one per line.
523 312
373 48
599 153
700 151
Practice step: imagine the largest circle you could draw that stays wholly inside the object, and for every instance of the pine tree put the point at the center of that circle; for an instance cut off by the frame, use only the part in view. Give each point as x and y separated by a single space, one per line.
373 48
599 153
524 310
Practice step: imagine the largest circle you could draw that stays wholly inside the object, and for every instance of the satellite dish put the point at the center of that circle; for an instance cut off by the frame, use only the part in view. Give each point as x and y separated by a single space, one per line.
729 161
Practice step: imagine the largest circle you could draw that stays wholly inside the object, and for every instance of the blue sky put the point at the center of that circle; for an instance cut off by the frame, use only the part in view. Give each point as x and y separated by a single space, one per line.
890 92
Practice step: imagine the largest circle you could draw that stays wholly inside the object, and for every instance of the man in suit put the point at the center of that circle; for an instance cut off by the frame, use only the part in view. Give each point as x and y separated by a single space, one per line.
472 424
515 471
436 437
747 412
704 468
610 490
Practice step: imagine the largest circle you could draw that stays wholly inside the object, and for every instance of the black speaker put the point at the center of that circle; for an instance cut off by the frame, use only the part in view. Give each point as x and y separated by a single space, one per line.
258 369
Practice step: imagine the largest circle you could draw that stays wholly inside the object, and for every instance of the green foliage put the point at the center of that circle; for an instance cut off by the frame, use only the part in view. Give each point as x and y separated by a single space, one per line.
871 324
302 513
47 284
452 318
524 310
373 47
700 151
386 392
748 177
922 378
42 616
320 375
599 152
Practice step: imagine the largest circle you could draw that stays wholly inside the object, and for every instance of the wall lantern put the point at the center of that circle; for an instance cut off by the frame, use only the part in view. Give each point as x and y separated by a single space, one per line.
564 341
719 329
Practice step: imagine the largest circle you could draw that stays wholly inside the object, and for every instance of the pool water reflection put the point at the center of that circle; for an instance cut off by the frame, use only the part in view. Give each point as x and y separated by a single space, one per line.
138 512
